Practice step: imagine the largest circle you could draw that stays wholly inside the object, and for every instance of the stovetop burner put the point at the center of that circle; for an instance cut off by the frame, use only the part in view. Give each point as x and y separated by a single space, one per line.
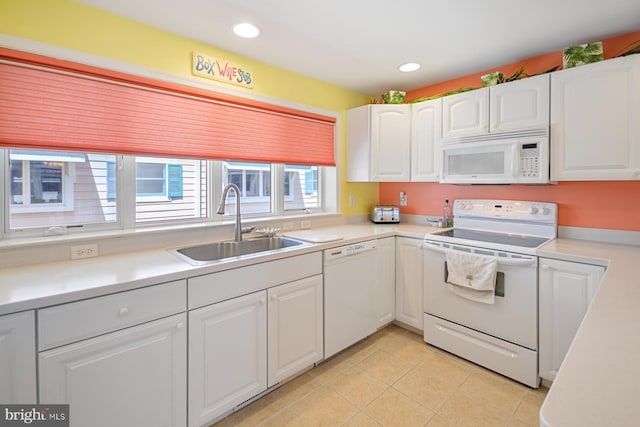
490 237
504 225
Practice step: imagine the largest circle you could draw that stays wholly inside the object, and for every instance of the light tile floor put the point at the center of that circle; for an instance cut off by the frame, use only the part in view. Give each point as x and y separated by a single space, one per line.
394 379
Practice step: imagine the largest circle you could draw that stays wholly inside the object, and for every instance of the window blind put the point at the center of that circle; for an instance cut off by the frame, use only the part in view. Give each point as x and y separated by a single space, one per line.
55 105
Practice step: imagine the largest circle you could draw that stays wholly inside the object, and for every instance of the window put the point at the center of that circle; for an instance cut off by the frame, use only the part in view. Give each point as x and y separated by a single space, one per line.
49 189
301 187
34 183
169 189
254 182
158 181
54 192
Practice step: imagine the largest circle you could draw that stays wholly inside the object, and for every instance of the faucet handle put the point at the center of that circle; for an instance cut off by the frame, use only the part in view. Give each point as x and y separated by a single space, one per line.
248 229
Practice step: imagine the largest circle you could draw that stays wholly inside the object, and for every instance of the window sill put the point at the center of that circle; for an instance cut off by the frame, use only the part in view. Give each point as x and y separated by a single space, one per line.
149 236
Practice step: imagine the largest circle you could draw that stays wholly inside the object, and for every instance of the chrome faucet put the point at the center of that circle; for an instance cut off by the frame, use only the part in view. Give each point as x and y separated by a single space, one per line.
239 230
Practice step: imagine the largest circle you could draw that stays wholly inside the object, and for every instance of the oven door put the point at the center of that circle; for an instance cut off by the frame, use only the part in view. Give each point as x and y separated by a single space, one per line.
512 317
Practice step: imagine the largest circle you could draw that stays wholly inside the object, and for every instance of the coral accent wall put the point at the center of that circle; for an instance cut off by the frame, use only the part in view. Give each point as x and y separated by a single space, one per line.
600 204
592 204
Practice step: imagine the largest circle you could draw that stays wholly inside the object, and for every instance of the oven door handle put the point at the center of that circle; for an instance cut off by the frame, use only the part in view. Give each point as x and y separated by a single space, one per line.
523 262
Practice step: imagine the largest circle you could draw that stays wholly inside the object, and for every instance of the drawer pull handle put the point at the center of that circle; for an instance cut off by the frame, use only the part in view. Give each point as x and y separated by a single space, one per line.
123 311
263 301
180 325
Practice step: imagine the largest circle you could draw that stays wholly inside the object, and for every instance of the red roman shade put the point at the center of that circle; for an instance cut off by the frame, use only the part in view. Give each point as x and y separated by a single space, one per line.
56 105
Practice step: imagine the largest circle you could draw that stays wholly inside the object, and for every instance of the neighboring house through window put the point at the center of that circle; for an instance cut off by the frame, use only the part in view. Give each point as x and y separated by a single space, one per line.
42 181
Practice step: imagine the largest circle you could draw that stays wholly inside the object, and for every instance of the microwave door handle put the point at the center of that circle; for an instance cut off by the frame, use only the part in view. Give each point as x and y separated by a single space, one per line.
522 262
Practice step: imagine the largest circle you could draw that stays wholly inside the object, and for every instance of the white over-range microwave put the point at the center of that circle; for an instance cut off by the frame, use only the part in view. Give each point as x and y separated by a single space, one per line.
512 158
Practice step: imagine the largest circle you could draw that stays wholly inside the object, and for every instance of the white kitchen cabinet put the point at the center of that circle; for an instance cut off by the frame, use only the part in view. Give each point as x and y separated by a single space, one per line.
227 355
384 295
122 355
132 377
521 104
426 135
465 114
379 143
595 131
409 282
18 358
250 328
295 328
513 106
566 290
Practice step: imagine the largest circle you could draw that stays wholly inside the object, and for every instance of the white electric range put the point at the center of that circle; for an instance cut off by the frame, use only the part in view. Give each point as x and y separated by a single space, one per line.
501 335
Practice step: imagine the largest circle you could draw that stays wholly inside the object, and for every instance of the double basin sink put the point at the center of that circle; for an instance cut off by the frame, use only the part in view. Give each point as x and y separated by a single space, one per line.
219 251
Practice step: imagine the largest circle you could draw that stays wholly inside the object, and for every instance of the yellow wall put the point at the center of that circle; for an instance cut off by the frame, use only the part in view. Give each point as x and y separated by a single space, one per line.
79 27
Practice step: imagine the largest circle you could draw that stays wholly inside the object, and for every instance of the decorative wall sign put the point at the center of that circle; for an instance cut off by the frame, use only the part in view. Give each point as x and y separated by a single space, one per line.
216 68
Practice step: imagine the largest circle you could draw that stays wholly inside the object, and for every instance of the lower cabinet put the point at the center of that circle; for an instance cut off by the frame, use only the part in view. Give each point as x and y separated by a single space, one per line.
409 282
18 358
566 290
133 377
227 355
295 328
384 296
240 347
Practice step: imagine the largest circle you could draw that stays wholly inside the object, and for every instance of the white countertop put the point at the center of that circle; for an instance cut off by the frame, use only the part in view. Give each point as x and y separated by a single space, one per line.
598 383
41 285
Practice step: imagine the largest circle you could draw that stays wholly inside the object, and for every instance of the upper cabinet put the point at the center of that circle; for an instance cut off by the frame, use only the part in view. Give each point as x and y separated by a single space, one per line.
394 142
465 114
522 104
595 131
426 134
378 142
517 105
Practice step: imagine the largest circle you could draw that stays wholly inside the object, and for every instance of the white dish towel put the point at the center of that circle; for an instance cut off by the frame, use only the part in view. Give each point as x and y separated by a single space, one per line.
472 276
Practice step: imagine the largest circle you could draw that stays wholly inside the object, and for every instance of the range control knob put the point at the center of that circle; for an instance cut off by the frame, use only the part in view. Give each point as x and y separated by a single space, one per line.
533 210
462 206
546 211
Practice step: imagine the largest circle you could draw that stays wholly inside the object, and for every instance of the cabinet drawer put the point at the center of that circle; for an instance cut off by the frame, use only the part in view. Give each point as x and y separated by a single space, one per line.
71 322
216 287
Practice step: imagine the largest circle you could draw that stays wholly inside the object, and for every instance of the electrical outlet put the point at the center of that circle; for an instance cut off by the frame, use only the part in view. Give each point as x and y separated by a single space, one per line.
84 251
304 224
352 201
287 226
403 198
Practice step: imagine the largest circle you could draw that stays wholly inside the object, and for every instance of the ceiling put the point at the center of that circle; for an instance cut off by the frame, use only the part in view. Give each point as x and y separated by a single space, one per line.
359 44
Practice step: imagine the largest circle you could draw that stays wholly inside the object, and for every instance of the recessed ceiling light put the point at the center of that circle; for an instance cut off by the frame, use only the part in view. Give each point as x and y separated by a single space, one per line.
409 67
246 30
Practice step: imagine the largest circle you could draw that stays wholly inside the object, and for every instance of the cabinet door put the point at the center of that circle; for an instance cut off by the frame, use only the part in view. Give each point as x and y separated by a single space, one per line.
409 282
595 131
465 114
390 142
384 296
227 355
566 290
18 358
133 377
426 134
295 319
521 104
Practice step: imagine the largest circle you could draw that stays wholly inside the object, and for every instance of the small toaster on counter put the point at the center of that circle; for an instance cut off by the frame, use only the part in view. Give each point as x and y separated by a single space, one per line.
385 214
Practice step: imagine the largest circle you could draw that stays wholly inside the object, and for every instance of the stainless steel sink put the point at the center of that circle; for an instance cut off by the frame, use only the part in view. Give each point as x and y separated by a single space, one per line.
217 251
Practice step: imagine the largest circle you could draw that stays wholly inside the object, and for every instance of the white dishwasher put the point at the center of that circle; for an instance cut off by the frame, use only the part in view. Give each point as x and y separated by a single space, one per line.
350 274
